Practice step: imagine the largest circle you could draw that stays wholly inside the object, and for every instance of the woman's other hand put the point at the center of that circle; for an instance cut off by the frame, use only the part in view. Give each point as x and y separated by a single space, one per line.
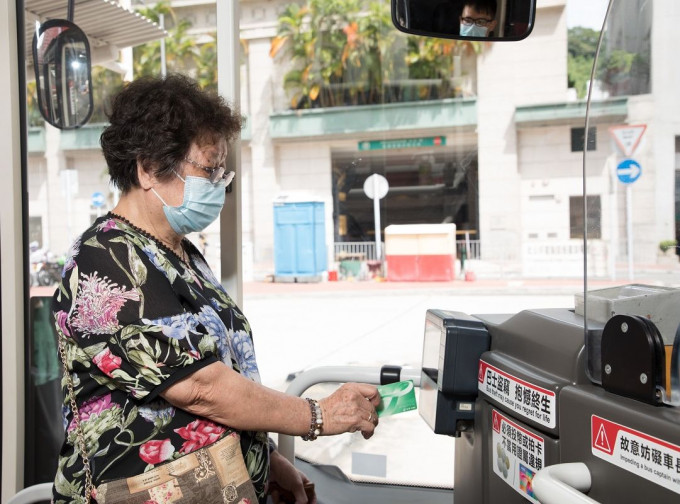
351 408
285 480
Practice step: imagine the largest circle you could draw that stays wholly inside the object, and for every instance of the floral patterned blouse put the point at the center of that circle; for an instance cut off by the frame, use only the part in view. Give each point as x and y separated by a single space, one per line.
136 319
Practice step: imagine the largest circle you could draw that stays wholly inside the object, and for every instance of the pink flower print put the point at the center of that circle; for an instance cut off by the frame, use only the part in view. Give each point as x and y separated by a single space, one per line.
71 256
107 225
93 408
97 304
157 451
198 434
107 362
61 318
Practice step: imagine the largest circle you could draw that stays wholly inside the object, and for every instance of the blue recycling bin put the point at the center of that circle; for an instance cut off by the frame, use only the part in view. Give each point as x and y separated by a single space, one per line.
299 241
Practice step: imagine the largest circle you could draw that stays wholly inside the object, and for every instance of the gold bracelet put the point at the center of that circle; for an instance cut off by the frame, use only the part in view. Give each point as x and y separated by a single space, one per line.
316 425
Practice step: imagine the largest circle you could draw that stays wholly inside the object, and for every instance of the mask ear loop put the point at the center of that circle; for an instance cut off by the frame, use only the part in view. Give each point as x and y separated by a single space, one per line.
159 196
176 175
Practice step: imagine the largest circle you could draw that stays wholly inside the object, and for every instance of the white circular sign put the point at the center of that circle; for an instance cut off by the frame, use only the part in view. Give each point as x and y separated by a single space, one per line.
376 186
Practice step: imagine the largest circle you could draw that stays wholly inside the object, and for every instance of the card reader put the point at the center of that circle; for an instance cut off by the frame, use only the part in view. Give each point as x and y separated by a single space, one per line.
452 346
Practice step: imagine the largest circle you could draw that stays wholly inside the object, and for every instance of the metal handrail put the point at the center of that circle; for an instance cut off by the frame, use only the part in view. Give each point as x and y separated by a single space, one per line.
563 484
36 493
335 374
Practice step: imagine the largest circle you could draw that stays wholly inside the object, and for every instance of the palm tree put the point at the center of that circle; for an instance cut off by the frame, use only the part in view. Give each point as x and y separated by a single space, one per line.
296 39
433 59
343 53
206 64
181 50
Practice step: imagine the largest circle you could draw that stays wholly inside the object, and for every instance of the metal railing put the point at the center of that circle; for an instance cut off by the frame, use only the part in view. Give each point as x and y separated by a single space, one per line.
474 251
361 251
365 251
337 374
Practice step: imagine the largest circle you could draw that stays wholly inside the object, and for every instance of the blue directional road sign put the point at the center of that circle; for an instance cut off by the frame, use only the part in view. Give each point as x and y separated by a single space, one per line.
628 171
98 199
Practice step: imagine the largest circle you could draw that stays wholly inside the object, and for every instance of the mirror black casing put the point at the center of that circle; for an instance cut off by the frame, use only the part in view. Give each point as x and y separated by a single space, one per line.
63 84
420 17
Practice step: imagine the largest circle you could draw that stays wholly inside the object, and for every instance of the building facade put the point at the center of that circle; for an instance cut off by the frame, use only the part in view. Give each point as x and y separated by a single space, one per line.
501 159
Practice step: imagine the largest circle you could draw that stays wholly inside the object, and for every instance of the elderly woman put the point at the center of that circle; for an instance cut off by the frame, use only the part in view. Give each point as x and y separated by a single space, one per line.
159 359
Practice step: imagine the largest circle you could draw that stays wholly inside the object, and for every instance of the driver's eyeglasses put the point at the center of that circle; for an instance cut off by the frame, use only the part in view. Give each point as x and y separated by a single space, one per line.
468 21
215 173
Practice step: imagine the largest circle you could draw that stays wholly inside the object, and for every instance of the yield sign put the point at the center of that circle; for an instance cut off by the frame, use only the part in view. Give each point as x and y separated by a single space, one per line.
628 137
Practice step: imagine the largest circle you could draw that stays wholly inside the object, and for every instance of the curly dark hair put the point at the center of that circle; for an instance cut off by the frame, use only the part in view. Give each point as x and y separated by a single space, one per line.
155 120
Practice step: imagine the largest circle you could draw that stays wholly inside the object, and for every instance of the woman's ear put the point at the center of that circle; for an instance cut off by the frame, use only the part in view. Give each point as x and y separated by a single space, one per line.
146 178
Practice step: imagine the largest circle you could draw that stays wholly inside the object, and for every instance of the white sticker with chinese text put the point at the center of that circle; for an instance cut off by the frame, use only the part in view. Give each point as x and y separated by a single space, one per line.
651 458
517 454
526 399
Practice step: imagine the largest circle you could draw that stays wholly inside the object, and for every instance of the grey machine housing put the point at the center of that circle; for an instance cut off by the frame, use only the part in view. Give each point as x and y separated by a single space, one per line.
545 348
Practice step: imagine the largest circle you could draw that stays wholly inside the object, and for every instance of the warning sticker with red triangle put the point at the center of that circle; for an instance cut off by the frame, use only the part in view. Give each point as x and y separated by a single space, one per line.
600 435
496 421
637 452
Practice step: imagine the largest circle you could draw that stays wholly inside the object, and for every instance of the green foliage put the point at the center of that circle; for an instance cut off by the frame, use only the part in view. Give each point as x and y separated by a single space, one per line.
206 65
181 51
581 47
33 112
665 245
619 72
346 52
105 84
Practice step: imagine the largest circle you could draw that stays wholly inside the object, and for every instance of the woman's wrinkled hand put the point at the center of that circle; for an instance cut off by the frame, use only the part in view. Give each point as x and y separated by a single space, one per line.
351 408
287 484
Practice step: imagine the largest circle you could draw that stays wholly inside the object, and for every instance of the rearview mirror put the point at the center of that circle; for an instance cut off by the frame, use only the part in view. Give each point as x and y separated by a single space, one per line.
465 19
61 58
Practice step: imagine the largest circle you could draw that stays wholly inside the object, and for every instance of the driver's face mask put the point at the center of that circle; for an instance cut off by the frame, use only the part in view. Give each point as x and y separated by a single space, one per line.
473 30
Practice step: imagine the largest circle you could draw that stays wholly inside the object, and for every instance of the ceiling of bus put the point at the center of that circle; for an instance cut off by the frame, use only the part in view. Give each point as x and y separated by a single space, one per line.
108 25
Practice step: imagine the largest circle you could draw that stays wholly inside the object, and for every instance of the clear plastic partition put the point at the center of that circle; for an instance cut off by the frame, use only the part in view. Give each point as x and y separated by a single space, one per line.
632 183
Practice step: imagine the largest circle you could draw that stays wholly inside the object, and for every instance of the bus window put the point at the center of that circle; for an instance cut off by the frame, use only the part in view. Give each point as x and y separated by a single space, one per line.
383 173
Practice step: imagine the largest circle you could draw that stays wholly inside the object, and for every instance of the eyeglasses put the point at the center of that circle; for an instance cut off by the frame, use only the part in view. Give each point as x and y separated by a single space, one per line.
216 173
468 21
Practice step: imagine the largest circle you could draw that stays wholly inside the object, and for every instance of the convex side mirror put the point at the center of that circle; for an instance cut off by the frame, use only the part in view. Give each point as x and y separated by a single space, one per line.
61 58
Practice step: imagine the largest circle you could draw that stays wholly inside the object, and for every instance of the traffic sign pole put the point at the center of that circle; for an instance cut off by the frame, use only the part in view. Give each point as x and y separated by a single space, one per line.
629 228
628 171
376 218
376 187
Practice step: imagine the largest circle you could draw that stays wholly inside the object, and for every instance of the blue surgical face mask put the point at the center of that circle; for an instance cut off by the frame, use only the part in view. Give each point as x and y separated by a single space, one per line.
472 30
202 204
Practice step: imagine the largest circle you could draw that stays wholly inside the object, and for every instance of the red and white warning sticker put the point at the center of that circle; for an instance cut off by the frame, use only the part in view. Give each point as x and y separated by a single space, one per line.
517 454
526 399
649 457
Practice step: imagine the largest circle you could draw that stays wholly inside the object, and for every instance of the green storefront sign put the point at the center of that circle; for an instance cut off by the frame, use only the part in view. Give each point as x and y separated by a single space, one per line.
402 143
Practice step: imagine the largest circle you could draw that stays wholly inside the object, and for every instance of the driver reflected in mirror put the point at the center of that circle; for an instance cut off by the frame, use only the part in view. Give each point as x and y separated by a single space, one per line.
478 18
465 19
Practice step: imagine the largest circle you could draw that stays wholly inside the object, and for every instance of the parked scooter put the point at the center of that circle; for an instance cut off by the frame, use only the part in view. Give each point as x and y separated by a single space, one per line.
46 268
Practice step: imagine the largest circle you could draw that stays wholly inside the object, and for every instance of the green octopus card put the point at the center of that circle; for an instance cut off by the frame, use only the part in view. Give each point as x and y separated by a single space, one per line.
396 398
